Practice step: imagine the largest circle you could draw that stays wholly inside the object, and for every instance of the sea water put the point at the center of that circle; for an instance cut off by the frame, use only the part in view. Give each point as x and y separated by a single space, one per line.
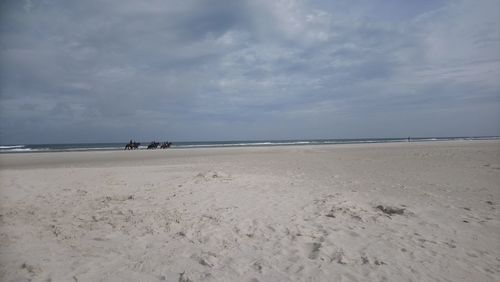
23 148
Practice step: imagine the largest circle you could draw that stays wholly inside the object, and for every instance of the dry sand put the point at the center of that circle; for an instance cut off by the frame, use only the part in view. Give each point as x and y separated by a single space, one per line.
377 212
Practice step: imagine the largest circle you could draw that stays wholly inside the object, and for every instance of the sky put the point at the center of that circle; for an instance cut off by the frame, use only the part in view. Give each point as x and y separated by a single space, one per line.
186 70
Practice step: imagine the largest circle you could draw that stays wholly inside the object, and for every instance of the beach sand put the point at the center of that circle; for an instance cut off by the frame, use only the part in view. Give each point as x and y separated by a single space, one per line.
425 211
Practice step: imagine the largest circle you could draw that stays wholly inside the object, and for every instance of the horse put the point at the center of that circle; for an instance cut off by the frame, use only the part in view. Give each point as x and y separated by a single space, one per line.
153 145
132 146
166 145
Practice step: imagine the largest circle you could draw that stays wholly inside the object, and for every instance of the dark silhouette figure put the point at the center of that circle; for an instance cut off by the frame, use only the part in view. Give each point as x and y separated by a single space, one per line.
132 145
166 145
153 145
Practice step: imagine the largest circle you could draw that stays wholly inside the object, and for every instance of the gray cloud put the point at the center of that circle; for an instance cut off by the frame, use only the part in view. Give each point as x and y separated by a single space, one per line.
189 70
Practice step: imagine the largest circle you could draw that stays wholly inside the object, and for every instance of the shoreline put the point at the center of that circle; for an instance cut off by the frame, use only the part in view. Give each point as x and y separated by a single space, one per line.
102 147
86 158
155 157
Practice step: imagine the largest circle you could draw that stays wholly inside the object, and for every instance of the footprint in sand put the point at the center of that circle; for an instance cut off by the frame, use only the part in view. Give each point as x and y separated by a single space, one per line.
32 270
183 277
257 266
338 256
212 175
389 210
312 250
207 259
491 203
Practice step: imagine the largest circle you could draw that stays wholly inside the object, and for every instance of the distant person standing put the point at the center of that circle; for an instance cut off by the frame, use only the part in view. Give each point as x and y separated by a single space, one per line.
409 139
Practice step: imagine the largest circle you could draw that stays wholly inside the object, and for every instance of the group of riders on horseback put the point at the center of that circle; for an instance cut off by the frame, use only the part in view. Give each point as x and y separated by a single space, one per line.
132 145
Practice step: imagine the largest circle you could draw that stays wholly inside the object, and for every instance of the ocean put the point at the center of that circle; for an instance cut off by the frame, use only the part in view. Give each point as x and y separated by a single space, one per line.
24 148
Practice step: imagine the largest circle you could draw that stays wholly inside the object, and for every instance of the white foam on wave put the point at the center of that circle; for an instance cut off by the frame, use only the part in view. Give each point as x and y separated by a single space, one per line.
243 144
7 147
19 150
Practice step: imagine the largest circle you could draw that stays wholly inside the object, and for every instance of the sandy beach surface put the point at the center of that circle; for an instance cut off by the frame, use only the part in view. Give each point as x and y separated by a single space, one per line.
424 211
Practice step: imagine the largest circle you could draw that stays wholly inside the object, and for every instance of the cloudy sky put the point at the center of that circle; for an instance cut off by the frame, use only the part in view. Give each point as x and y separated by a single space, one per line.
98 71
